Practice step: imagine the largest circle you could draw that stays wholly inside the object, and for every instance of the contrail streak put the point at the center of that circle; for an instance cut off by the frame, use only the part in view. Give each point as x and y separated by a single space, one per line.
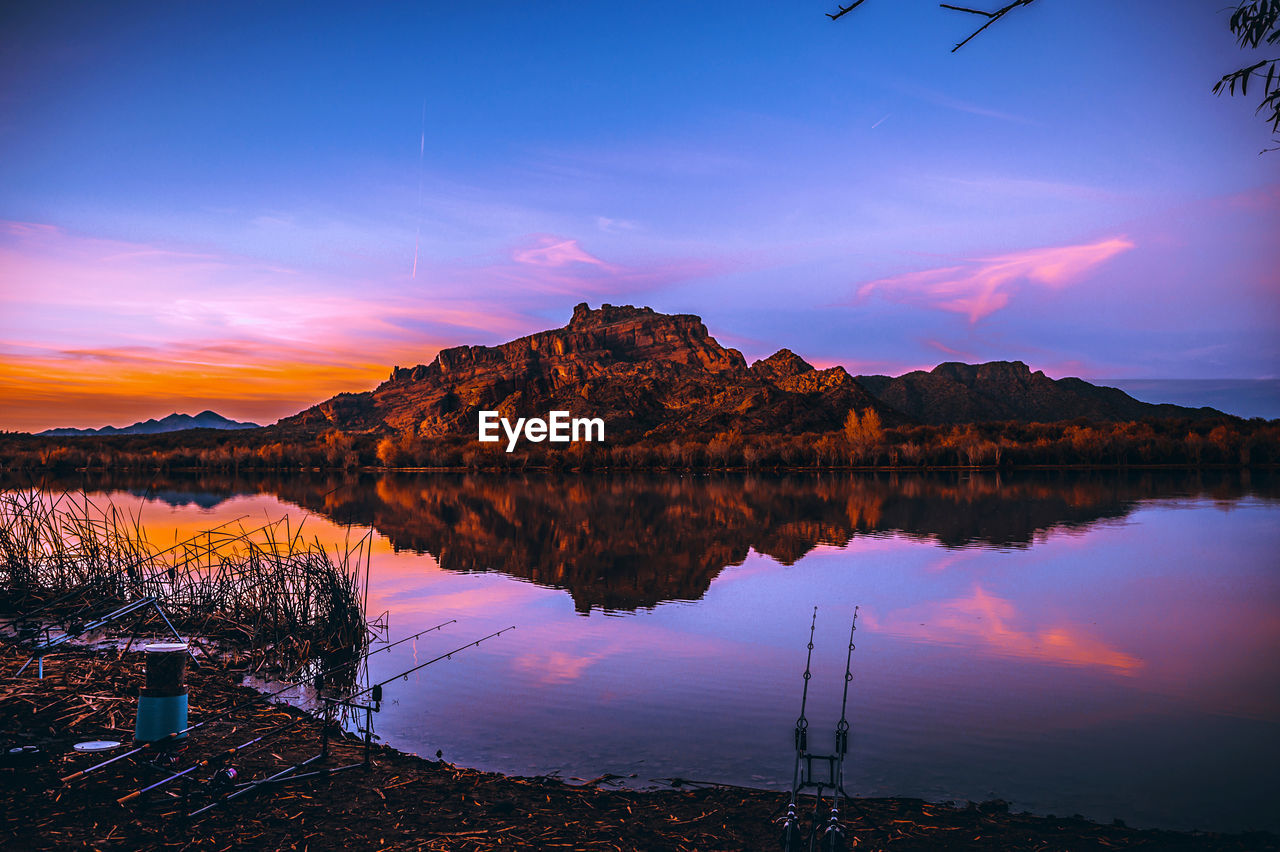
417 236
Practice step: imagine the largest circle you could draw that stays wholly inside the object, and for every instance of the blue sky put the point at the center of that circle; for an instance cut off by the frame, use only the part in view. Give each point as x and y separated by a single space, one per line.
249 207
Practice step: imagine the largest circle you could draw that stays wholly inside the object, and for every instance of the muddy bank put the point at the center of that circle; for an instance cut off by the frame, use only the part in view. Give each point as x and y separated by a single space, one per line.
405 802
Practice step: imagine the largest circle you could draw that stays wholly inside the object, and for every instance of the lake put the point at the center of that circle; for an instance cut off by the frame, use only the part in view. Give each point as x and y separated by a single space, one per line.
1100 643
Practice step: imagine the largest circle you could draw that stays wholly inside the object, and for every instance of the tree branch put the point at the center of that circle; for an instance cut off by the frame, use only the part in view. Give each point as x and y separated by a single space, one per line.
964 9
845 9
991 16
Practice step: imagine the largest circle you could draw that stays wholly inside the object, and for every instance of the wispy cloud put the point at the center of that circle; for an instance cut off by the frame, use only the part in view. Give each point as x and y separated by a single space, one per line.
982 286
556 252
552 265
963 355
947 102
1007 186
616 226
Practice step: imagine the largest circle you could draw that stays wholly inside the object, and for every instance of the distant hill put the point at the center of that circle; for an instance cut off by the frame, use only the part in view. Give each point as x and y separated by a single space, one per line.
663 376
1008 390
172 423
1242 397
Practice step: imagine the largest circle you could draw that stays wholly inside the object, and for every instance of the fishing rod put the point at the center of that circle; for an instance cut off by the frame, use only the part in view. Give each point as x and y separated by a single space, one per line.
41 651
791 823
290 779
376 689
220 757
261 696
72 632
833 839
253 786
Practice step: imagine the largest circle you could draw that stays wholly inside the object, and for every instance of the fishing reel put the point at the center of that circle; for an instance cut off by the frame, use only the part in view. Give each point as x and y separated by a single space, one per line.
791 831
165 759
224 778
833 839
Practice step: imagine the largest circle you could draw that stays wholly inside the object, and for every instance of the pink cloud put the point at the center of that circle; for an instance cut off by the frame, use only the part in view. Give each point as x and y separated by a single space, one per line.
555 252
982 286
950 350
557 266
24 229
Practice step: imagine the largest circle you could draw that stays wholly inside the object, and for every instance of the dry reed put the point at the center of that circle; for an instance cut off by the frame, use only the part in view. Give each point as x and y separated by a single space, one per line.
265 593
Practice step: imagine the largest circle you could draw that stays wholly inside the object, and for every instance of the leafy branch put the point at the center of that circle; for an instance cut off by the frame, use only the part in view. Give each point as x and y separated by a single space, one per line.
1254 24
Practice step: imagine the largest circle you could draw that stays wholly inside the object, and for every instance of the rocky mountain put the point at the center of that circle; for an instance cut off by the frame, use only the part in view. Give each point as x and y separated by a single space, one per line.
663 376
643 372
1009 390
172 423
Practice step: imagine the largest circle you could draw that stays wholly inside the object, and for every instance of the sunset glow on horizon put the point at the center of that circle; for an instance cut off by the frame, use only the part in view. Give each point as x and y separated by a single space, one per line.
251 209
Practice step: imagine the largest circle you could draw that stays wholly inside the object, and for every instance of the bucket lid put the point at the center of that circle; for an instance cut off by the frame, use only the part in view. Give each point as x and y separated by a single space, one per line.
165 647
96 745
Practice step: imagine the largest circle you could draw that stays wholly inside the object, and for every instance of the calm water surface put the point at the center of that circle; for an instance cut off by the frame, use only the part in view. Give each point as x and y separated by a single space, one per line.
1101 644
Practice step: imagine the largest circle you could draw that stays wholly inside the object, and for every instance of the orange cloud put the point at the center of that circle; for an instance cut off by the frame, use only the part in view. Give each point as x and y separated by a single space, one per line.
980 287
93 388
96 332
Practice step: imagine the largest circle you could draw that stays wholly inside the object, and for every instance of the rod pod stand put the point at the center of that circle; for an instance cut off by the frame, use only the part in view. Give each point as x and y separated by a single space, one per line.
809 766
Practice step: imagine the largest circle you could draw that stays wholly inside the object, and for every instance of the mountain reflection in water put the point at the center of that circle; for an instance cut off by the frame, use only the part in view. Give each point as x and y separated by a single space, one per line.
621 543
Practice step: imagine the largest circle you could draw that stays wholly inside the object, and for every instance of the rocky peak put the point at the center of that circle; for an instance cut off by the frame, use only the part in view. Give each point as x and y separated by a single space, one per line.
992 371
782 364
584 317
591 341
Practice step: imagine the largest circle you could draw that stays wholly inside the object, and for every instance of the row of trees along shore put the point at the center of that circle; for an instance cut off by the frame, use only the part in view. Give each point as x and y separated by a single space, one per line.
863 442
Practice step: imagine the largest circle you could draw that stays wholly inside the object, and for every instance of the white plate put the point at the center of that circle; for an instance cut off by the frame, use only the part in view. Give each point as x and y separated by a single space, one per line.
96 745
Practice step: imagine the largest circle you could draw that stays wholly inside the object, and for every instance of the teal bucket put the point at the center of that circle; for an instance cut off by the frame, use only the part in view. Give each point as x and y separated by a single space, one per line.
159 716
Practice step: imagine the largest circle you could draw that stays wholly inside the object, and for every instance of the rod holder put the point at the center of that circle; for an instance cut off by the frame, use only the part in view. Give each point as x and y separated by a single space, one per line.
162 703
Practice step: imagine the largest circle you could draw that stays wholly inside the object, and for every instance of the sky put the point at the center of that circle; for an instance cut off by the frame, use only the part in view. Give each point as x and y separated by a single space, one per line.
251 207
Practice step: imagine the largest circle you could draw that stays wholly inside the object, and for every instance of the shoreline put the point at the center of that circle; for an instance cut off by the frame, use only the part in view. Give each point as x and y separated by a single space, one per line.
404 801
18 478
